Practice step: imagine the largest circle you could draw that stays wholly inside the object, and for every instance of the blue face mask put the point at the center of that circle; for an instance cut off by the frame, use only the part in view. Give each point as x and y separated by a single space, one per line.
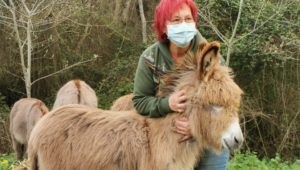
181 34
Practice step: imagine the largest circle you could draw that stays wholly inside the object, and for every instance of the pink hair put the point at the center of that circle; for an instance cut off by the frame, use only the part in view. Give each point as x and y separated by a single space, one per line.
164 11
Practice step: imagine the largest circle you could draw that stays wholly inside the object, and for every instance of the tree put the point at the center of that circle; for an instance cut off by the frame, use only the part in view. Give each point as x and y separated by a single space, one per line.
205 14
27 19
143 21
264 52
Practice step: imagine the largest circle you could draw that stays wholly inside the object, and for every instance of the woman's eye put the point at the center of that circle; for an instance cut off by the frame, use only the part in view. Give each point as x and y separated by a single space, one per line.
189 20
176 20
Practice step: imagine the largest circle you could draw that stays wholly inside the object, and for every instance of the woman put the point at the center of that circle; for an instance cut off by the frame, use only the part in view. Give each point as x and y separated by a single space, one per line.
175 27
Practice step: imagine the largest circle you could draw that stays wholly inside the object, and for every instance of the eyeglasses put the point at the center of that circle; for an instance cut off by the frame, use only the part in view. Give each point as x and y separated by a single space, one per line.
178 20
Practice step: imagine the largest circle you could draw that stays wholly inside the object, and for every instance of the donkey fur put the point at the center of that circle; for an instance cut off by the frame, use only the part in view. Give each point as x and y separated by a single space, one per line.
78 137
123 103
24 114
76 92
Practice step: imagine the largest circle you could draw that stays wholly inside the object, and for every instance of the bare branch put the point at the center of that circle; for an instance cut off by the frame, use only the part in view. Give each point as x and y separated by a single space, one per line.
17 76
83 24
16 91
220 35
230 42
3 4
18 38
26 8
125 13
237 21
263 23
117 10
257 28
86 31
262 7
50 5
287 133
36 7
11 19
8 24
66 68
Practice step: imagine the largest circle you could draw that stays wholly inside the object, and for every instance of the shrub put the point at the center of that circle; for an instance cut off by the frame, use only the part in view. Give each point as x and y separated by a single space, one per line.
249 161
5 145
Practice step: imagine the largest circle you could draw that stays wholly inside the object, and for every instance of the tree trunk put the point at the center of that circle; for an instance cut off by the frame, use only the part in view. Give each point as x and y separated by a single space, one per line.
143 20
86 29
125 13
117 10
229 47
27 77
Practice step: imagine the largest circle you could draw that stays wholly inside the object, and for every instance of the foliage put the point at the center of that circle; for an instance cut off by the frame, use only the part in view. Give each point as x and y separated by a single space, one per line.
4 134
3 106
245 161
249 161
265 58
117 82
6 161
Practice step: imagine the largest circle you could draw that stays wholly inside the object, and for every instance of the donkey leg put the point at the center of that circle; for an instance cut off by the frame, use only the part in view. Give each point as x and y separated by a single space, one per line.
25 154
18 147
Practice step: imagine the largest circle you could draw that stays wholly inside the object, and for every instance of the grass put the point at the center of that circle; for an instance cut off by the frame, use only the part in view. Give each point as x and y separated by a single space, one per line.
6 161
240 161
249 161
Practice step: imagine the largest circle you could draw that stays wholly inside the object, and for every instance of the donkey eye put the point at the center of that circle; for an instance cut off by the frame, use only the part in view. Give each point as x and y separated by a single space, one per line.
216 109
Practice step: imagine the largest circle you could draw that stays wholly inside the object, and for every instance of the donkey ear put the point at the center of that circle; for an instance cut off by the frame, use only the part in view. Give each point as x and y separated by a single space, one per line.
210 58
202 45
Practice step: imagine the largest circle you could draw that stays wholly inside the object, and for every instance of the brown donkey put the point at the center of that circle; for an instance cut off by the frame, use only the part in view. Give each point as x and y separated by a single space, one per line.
76 92
24 114
77 137
123 103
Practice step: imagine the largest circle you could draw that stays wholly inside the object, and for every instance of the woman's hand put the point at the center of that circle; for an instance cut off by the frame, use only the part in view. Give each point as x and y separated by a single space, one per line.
183 127
177 101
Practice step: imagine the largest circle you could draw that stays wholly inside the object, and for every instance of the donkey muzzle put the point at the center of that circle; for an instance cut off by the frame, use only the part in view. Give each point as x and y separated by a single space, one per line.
232 138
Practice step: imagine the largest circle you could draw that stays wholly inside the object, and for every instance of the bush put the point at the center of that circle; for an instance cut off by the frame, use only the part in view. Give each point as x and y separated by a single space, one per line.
5 145
249 161
6 161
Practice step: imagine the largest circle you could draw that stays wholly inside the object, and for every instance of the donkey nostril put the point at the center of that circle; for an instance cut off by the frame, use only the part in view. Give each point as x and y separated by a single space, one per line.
236 140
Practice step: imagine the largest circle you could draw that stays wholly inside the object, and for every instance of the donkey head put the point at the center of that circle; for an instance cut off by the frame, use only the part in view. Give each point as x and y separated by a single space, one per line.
215 102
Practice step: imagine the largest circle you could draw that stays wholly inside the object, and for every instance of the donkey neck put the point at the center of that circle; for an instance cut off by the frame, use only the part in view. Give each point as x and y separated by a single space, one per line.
175 154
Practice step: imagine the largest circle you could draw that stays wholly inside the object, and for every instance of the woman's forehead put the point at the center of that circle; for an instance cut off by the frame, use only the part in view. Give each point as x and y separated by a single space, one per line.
185 10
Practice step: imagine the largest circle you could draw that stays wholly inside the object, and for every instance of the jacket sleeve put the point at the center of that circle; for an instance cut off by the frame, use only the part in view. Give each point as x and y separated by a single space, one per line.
144 100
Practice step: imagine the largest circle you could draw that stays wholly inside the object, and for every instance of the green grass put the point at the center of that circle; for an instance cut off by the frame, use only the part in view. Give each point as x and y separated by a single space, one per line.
249 161
6 161
240 161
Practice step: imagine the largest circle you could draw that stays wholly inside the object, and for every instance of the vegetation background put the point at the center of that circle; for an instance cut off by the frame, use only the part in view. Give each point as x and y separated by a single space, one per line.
100 42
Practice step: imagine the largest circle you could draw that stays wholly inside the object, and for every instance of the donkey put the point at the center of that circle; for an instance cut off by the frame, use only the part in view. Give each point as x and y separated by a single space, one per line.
76 92
24 114
78 137
123 103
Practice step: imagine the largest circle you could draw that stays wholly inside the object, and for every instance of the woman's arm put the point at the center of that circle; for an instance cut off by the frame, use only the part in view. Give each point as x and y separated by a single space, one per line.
144 100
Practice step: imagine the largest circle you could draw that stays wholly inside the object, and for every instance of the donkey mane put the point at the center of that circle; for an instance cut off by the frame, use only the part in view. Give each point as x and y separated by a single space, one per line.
76 92
78 86
183 77
42 107
171 80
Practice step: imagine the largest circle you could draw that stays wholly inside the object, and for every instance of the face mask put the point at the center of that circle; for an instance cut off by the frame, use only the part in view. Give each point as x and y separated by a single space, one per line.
181 34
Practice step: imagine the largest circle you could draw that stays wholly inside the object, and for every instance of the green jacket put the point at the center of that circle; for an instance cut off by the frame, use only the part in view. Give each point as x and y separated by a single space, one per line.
155 61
